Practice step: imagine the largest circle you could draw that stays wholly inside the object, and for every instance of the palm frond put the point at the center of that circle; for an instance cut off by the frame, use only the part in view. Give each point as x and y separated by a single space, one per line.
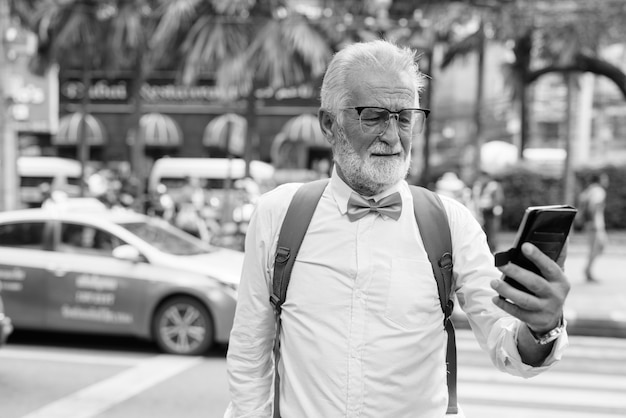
286 52
210 42
174 16
235 76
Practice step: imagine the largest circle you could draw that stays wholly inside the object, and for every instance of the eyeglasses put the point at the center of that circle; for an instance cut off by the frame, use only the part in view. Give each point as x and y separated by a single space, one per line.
375 120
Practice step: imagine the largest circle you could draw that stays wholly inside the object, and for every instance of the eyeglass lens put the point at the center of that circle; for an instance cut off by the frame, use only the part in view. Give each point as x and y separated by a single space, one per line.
376 120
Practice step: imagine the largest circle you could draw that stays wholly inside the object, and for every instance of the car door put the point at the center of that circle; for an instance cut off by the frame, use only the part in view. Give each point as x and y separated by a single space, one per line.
90 290
23 270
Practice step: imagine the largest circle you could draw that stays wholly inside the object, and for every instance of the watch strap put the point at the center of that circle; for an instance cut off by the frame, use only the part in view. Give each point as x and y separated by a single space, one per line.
548 337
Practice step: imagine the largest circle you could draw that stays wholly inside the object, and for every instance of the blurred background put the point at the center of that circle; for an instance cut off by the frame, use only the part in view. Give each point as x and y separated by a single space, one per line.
153 117
530 91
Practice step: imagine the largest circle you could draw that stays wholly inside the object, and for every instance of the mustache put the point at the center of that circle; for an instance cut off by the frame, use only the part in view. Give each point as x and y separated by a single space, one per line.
384 148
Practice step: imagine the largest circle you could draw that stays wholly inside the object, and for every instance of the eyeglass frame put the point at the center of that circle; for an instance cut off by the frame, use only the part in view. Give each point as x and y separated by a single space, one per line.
360 109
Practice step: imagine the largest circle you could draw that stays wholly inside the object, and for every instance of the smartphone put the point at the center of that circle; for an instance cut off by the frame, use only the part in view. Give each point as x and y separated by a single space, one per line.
546 227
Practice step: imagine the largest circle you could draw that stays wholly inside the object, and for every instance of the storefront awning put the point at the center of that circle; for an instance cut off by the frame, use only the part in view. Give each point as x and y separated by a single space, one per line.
305 128
228 130
302 131
69 130
159 130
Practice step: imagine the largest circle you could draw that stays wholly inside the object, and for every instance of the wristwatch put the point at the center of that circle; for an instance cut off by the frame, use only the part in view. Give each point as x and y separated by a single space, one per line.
549 336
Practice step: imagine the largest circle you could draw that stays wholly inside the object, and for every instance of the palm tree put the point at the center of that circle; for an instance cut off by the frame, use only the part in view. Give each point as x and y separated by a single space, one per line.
130 29
245 45
64 27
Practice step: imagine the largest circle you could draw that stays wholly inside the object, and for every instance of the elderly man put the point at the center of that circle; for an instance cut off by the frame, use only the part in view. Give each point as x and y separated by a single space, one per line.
362 331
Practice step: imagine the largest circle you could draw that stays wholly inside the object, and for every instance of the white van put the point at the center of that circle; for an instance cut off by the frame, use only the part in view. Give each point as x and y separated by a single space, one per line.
213 173
38 173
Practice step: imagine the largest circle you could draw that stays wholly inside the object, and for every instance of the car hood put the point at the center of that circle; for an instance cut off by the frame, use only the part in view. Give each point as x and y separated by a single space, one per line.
224 264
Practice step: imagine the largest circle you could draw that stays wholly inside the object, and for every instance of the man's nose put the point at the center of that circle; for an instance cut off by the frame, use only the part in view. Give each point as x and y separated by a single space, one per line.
391 134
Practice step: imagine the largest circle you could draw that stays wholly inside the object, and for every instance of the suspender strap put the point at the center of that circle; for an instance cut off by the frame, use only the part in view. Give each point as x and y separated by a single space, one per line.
291 235
435 231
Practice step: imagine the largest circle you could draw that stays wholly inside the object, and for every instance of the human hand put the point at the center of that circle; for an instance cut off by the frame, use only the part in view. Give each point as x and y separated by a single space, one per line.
542 311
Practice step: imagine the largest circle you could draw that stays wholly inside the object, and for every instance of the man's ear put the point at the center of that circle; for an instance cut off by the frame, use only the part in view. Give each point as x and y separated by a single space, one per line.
326 120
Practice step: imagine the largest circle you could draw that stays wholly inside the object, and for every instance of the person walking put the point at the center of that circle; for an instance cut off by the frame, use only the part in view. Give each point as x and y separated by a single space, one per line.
489 197
362 327
593 203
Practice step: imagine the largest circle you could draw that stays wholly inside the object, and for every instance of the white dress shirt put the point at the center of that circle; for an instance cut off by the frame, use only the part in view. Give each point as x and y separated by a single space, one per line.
362 327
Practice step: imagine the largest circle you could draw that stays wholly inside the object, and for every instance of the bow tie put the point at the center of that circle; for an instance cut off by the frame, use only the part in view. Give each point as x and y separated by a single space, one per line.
390 206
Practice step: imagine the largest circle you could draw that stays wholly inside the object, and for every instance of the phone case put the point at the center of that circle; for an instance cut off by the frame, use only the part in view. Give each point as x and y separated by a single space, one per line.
547 227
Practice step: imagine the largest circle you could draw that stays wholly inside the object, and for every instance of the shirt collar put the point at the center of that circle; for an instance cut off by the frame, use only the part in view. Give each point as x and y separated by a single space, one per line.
341 191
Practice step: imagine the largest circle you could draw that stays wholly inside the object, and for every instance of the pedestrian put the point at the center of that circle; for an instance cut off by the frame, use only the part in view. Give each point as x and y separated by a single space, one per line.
488 198
362 331
189 209
592 205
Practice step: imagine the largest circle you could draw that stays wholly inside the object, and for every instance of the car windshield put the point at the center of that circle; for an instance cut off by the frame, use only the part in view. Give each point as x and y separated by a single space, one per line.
167 239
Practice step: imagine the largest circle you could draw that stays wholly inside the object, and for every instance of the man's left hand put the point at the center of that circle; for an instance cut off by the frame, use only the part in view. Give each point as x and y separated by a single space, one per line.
542 311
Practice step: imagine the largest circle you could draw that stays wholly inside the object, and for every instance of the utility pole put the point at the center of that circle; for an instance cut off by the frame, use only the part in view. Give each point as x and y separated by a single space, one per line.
8 140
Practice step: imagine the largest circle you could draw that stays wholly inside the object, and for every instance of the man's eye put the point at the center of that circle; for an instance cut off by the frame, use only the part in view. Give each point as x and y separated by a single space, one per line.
374 116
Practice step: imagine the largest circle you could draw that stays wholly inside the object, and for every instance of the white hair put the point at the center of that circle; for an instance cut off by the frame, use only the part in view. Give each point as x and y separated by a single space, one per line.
374 56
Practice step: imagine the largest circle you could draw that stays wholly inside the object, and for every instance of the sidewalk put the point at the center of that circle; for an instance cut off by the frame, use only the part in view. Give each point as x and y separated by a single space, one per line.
597 309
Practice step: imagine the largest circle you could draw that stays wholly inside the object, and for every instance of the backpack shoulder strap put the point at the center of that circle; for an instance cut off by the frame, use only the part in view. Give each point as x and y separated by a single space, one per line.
292 231
432 222
434 228
291 234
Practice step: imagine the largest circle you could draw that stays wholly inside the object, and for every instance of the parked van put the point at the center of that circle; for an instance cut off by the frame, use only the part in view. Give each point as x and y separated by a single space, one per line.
37 174
213 173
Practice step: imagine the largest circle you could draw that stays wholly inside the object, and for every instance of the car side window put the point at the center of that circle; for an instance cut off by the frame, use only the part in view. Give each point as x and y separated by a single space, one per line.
22 235
84 239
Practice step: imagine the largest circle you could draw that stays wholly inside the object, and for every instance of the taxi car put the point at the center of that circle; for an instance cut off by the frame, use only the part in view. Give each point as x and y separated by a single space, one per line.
116 272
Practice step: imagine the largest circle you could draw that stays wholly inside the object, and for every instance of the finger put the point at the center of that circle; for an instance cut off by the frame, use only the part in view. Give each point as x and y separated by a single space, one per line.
531 281
550 270
521 299
513 309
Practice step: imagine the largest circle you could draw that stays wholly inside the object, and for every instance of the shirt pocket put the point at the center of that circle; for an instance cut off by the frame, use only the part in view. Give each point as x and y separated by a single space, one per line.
412 297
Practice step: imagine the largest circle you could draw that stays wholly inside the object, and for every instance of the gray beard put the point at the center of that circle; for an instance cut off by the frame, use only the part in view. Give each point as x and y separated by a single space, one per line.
368 177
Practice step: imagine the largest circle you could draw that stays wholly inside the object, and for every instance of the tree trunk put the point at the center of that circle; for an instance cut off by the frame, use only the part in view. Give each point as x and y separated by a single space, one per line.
9 182
251 130
478 107
83 143
138 144
522 50
426 149
568 172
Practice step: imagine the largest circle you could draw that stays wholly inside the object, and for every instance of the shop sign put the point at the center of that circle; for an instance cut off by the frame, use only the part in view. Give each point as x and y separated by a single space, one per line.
34 98
159 91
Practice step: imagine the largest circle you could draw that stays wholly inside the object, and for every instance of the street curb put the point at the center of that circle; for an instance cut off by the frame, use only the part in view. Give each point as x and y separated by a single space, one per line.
589 327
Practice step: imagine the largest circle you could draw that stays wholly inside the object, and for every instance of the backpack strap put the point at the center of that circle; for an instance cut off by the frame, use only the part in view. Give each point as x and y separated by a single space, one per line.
434 228
291 235
433 224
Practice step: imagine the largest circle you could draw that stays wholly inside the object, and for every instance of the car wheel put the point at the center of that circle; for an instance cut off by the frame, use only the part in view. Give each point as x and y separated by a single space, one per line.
182 325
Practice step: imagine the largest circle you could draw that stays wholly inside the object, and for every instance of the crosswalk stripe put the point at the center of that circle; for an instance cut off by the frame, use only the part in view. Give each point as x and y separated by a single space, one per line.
555 396
18 353
583 347
588 381
94 399
496 411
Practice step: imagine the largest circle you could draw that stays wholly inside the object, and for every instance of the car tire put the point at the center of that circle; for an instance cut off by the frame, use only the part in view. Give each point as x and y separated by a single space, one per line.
182 325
